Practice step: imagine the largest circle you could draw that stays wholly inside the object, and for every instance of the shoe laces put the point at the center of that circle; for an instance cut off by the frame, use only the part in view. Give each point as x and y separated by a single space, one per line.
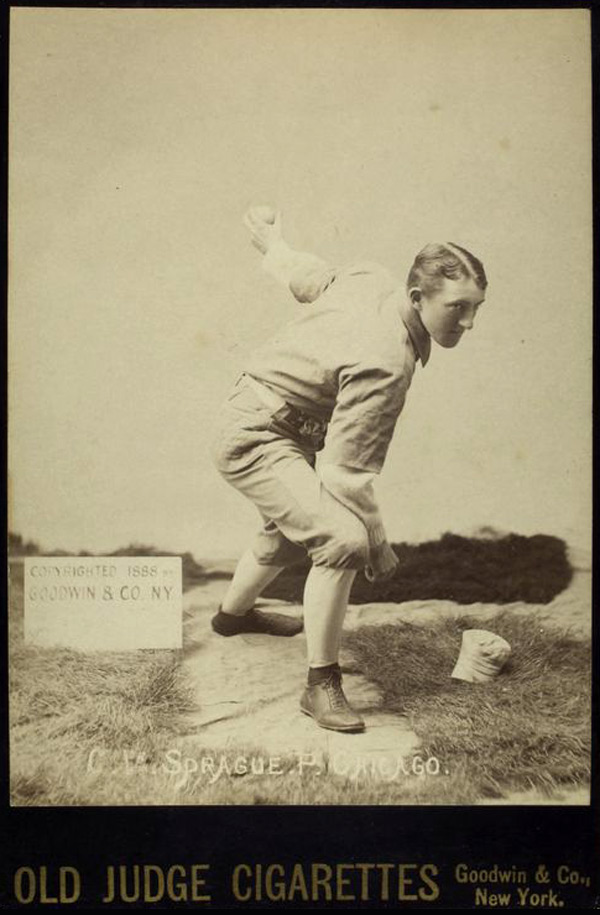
334 691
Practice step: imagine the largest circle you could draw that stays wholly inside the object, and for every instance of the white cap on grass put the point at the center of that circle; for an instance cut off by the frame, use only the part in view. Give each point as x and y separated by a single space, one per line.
482 656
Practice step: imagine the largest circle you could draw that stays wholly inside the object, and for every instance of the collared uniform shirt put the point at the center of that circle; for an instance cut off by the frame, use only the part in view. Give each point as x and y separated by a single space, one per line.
349 359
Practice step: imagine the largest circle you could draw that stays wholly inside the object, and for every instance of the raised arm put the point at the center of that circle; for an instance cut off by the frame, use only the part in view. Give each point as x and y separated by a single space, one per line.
306 275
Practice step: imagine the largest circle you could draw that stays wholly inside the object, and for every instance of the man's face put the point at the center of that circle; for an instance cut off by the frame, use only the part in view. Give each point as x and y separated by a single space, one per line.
448 312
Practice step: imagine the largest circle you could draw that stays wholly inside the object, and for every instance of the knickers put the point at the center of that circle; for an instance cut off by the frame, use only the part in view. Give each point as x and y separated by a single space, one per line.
261 454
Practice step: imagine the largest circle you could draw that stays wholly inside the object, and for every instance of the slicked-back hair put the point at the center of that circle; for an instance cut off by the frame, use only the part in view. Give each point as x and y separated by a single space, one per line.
444 260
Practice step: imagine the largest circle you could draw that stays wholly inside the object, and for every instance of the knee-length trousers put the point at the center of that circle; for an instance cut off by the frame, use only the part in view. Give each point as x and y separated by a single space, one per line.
273 465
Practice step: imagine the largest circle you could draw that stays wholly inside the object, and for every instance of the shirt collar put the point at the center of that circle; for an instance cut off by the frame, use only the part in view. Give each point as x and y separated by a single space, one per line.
419 336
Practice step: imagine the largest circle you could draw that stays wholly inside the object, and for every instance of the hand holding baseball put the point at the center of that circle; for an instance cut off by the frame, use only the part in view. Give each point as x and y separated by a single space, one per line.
264 224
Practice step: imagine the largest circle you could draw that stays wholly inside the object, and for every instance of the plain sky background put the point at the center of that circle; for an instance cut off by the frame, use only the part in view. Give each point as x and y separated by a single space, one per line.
137 140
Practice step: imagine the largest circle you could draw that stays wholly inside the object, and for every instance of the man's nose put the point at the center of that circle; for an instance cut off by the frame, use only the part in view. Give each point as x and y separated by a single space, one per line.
467 319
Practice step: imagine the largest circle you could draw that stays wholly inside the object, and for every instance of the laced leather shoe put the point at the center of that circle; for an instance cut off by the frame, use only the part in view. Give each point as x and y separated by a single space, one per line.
327 704
256 621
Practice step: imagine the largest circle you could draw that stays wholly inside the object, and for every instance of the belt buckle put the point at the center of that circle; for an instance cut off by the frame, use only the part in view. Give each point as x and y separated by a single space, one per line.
309 425
312 429
305 426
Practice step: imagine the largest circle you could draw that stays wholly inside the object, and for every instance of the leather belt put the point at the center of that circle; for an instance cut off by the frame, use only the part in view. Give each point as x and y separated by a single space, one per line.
289 414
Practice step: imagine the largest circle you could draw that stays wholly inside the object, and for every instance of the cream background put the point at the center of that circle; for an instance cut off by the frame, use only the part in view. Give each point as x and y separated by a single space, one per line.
137 140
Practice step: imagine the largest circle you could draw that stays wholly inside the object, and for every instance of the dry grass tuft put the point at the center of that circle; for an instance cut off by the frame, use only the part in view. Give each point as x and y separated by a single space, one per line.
528 728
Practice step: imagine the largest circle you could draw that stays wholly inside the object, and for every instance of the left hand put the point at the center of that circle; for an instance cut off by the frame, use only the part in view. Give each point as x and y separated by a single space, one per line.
383 563
264 224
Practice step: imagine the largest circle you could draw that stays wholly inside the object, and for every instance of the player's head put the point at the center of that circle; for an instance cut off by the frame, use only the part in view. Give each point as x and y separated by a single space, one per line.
444 260
446 285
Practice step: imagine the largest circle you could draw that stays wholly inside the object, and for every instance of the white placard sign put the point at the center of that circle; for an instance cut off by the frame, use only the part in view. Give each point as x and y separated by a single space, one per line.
104 603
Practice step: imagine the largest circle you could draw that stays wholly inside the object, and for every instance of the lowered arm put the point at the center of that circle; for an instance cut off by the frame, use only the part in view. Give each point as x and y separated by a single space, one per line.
354 489
370 399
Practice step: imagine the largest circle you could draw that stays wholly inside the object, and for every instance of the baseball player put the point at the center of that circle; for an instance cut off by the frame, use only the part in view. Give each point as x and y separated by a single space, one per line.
332 383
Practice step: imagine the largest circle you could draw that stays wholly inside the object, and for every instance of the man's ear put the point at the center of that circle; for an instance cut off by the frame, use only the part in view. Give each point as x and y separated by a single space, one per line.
416 297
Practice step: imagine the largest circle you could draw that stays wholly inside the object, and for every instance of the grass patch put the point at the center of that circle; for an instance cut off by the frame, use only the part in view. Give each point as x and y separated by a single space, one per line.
527 728
64 704
468 570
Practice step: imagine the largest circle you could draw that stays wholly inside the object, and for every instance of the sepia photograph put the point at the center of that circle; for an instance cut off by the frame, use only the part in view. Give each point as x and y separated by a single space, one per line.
300 409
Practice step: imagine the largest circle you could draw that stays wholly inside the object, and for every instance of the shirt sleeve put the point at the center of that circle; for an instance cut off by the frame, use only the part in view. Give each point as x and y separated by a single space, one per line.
306 275
370 399
354 489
